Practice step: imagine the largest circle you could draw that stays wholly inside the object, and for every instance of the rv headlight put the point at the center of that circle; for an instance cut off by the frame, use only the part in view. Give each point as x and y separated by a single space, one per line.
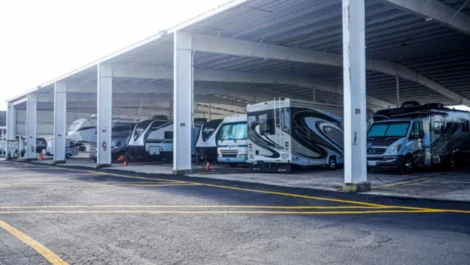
393 150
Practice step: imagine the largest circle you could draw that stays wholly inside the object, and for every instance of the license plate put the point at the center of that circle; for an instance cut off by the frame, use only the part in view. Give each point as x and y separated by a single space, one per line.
372 163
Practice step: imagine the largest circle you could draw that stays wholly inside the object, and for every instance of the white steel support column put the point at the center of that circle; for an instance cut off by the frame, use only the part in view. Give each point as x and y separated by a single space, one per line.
11 127
183 102
105 115
11 122
60 121
354 78
31 125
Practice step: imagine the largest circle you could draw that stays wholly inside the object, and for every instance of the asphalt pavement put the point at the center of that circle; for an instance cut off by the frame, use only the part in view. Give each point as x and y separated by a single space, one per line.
54 215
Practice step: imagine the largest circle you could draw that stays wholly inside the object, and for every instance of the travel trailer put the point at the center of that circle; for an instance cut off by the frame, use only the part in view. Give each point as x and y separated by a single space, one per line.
287 132
417 136
84 130
232 142
152 139
206 145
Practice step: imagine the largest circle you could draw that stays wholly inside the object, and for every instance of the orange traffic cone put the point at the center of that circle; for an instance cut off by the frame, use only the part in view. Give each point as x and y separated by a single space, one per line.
208 166
41 157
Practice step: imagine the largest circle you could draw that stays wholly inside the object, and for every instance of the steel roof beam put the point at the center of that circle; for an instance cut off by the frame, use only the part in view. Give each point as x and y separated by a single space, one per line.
204 43
133 71
438 11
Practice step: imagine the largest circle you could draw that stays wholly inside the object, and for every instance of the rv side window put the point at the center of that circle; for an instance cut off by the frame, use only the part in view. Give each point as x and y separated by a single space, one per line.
415 130
285 119
437 127
168 135
466 126
266 123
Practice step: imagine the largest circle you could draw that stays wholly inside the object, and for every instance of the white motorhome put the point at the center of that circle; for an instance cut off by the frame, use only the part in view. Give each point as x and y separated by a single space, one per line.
152 139
287 132
206 145
232 142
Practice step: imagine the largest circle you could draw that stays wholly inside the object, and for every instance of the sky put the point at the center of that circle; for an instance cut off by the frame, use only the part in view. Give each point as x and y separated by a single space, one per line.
41 40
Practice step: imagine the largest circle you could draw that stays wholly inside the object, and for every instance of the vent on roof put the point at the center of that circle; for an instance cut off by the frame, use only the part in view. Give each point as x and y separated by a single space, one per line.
410 104
159 117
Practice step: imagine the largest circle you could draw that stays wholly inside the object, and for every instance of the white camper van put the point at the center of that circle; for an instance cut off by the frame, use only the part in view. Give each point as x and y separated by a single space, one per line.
206 145
232 142
289 132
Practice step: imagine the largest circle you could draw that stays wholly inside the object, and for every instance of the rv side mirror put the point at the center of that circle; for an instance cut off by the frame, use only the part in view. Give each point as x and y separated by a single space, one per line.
421 134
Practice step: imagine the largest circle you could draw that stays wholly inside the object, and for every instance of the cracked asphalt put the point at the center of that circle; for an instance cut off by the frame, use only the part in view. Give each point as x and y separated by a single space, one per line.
100 217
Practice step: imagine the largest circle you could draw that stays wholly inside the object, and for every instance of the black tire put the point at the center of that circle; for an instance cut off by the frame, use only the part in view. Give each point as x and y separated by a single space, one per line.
332 163
233 165
407 165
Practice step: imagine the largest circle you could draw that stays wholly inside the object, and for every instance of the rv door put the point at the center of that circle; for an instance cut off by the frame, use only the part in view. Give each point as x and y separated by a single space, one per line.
438 138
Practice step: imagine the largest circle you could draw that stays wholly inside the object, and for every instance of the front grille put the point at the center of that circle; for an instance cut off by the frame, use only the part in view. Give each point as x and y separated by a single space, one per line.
376 151
229 153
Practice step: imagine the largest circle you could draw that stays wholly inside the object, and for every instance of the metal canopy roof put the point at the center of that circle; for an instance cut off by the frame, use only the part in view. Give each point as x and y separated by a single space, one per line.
430 53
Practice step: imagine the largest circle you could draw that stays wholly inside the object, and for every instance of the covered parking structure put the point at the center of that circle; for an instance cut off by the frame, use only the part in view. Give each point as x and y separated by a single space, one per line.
331 51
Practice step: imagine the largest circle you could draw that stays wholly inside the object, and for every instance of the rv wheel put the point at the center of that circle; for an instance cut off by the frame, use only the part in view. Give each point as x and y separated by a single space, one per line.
407 166
332 163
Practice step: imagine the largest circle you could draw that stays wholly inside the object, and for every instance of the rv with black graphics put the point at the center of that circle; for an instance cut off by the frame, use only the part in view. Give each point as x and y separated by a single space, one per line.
418 136
287 132
152 139
206 144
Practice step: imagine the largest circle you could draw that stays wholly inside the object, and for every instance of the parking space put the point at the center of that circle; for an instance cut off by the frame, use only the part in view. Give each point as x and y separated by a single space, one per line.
83 216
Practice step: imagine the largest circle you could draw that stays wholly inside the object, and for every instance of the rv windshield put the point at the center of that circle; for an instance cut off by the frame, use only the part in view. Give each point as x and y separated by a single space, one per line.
395 129
233 131
140 128
209 128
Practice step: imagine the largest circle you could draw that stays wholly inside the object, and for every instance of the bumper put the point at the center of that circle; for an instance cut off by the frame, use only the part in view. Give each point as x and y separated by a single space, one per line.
385 161
230 160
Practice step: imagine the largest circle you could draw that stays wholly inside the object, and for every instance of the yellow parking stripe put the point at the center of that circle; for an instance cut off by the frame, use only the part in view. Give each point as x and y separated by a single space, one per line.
42 250
189 206
212 212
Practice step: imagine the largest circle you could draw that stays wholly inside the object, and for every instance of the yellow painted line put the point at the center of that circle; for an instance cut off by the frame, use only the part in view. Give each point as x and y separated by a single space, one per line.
275 193
42 250
98 185
212 212
191 206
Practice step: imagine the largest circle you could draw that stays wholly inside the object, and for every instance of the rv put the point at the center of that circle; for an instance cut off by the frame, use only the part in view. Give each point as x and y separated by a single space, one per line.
206 145
417 136
232 142
287 132
84 130
152 139
196 130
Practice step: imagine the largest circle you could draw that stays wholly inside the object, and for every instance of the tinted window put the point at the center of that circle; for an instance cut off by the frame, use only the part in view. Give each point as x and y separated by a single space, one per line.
265 119
415 130
397 129
140 128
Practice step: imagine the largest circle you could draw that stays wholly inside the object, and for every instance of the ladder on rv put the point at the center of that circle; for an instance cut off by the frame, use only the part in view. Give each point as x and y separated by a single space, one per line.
278 122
